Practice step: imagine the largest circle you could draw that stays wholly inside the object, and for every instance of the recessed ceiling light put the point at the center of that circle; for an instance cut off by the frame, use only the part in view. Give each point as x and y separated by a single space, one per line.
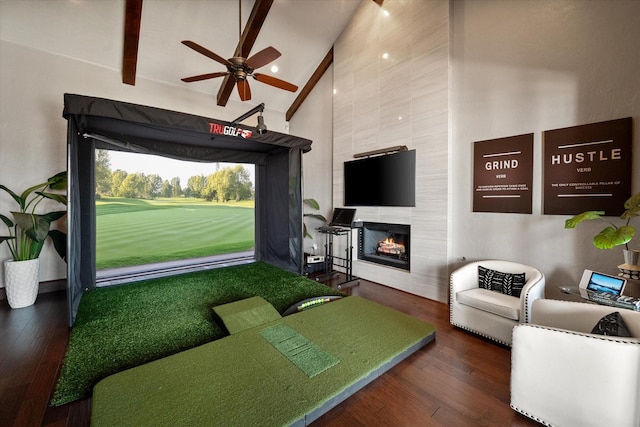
385 55
385 12
274 68
335 91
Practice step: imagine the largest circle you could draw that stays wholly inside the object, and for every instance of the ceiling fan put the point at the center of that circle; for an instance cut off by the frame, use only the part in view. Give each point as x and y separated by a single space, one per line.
241 68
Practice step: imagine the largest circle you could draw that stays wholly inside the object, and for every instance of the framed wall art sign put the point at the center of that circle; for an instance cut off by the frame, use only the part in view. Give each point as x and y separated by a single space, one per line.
503 174
587 168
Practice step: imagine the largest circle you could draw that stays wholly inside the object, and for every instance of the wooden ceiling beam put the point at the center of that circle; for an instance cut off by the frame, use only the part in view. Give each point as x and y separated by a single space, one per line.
308 87
245 44
133 16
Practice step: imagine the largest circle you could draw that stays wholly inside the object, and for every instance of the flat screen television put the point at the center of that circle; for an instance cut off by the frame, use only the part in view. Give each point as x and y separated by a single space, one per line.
387 180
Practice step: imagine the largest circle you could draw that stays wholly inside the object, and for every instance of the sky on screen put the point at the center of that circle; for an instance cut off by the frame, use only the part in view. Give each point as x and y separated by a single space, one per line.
165 167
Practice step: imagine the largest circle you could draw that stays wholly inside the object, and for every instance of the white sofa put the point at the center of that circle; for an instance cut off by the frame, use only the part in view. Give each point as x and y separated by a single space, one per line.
562 375
489 313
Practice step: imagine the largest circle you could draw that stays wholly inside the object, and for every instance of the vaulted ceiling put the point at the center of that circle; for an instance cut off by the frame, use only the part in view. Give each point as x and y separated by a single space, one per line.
303 31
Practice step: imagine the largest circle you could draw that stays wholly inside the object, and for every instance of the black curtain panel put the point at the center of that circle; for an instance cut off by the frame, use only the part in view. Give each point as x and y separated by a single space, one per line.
103 123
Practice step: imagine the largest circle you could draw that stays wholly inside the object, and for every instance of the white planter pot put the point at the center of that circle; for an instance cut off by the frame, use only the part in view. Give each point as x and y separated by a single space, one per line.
21 280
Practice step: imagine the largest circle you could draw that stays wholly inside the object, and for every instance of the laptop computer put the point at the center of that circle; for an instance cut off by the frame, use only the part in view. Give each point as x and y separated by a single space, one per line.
593 281
342 218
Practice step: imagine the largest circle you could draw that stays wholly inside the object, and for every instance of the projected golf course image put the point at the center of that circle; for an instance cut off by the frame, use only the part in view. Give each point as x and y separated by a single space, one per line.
138 231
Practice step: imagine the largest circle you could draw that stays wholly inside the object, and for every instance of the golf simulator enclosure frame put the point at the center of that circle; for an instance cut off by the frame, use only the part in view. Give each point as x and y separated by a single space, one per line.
97 123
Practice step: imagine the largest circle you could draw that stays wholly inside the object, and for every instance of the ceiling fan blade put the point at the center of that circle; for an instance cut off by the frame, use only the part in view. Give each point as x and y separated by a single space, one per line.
204 76
206 52
244 90
263 57
281 84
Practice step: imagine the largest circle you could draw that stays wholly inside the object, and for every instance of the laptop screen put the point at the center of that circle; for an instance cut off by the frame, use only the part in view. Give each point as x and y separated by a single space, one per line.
343 217
599 282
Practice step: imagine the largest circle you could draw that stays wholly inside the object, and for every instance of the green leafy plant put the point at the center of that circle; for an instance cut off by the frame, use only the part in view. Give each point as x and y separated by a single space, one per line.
612 235
315 205
28 230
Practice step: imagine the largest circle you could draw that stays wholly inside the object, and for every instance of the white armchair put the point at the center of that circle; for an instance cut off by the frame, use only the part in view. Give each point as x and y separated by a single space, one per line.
489 313
562 375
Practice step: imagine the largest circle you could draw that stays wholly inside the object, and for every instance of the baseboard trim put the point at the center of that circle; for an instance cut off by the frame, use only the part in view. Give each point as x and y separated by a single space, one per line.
44 287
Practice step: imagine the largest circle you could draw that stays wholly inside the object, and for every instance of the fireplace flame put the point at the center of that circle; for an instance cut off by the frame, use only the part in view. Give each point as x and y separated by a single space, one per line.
389 246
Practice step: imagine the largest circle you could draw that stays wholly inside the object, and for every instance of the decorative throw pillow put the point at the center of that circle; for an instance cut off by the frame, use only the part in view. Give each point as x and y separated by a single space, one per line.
612 325
506 283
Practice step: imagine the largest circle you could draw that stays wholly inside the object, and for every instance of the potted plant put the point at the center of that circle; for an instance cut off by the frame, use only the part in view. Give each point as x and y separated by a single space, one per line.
613 235
27 234
315 205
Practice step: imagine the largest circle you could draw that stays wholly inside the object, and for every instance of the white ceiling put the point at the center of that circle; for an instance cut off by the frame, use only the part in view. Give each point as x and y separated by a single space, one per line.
92 31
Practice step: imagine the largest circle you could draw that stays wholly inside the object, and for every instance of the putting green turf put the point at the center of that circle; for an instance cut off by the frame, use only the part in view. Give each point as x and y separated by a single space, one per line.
125 326
242 380
135 232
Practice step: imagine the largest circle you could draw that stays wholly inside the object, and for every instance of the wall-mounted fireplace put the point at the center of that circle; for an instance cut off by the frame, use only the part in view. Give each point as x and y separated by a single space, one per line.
386 244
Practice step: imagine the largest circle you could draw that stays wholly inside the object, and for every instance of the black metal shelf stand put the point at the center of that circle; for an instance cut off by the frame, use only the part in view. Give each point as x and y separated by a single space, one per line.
331 260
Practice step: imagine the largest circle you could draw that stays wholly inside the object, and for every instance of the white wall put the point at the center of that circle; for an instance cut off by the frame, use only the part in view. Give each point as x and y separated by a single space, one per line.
33 131
401 98
313 121
527 66
521 66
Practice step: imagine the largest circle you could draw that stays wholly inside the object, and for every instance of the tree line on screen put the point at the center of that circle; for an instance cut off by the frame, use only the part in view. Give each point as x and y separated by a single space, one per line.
226 184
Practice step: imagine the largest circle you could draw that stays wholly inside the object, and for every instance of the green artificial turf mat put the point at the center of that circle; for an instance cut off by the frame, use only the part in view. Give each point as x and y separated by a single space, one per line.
125 326
245 314
307 356
242 380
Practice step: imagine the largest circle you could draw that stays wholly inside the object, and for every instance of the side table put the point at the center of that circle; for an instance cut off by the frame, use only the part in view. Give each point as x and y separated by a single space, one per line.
572 293
625 301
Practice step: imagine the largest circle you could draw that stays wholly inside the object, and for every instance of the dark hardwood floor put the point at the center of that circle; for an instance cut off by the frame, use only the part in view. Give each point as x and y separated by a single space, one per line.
457 380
